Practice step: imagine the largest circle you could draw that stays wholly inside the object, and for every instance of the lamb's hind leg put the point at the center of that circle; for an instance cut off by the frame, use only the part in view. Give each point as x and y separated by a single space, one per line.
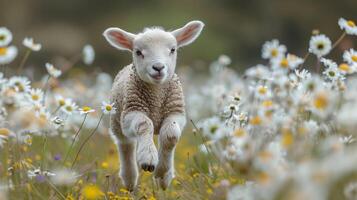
170 133
126 148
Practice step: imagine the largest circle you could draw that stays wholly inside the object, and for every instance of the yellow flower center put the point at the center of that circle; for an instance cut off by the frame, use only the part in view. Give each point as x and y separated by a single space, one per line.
354 58
4 132
256 120
239 132
344 67
321 101
287 139
108 108
2 37
284 63
61 102
35 97
86 108
20 87
262 90
351 23
274 52
265 155
3 51
267 103
69 108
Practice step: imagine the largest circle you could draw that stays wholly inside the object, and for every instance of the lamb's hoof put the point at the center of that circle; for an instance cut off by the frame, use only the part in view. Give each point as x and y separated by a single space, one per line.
164 181
129 180
148 167
147 157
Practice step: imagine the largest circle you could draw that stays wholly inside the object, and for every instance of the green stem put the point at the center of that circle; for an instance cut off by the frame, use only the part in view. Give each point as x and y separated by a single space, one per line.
86 140
27 54
44 151
74 139
45 90
339 40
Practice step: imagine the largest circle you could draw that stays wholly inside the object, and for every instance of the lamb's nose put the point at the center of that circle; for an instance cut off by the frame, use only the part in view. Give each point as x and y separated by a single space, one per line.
158 67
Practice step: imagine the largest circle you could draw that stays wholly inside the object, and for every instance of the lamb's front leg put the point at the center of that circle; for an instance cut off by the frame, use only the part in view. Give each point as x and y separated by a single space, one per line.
170 133
140 127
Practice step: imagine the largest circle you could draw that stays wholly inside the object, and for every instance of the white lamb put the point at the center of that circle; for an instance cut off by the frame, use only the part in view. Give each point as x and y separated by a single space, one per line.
149 99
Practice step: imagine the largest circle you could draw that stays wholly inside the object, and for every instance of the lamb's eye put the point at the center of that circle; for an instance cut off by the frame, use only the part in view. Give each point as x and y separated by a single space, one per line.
138 53
172 50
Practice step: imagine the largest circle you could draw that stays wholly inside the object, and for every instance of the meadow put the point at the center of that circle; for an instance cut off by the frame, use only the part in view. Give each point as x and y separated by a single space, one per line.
280 130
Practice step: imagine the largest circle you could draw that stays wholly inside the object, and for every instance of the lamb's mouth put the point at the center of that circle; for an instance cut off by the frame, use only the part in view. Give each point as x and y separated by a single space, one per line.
157 76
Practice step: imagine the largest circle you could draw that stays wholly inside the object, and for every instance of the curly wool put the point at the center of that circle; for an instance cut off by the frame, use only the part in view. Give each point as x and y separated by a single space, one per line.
130 93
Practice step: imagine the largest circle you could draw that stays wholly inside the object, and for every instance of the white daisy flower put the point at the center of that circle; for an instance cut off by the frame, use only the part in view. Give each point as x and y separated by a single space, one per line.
108 108
347 68
348 26
302 74
43 114
20 84
320 45
35 95
350 56
272 49
69 107
86 110
224 60
262 92
285 63
259 72
331 71
64 177
7 54
29 43
5 37
52 71
60 101
88 54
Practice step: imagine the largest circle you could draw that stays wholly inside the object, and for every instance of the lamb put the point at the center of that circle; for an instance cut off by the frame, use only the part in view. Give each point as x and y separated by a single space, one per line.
149 99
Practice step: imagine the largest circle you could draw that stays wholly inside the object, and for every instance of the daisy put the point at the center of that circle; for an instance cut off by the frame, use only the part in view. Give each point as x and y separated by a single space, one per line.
52 71
108 108
64 177
5 37
320 45
43 115
348 26
350 56
262 92
259 72
7 54
35 95
20 84
331 72
224 60
88 54
285 63
272 49
60 100
346 68
86 110
28 42
69 107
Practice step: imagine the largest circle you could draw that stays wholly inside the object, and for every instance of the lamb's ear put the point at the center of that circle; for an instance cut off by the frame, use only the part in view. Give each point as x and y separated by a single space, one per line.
119 38
188 33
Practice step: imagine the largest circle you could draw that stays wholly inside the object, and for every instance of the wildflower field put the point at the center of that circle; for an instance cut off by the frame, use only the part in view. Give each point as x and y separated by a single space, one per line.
280 130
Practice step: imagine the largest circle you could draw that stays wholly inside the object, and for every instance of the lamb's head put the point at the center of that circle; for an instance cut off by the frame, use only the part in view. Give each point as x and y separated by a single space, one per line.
154 50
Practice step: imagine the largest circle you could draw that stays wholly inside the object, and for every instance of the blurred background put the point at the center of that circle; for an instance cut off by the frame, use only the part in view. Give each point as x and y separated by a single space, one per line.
236 28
